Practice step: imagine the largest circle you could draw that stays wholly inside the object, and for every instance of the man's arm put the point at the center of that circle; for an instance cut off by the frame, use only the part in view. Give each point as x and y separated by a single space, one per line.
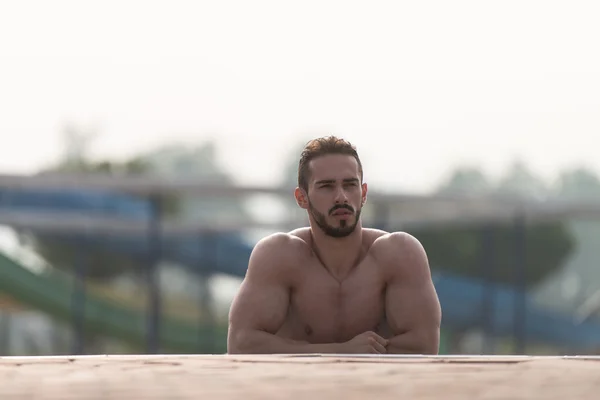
413 309
261 304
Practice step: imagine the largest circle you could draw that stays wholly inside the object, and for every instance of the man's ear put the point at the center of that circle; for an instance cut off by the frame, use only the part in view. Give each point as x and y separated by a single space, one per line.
364 193
301 198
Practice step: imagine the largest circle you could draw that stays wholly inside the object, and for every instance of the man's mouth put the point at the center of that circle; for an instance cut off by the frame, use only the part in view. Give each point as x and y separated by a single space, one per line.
342 212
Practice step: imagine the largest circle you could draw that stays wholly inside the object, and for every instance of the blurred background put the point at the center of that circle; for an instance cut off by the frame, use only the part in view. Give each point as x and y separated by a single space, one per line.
147 146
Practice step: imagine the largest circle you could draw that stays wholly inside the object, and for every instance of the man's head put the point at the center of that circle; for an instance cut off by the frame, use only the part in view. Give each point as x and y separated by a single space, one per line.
330 185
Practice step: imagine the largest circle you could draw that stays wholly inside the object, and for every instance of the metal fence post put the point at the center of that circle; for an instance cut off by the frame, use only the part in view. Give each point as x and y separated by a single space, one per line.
79 296
154 256
488 291
520 299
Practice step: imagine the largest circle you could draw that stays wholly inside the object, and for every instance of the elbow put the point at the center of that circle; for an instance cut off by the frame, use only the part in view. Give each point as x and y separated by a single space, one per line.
431 349
233 348
233 342
431 345
239 342
423 342
430 342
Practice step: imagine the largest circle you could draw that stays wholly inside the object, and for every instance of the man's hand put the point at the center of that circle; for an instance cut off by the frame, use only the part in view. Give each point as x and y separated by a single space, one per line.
365 343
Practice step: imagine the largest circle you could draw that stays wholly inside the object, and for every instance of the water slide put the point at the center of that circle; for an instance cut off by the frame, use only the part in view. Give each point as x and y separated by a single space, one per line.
51 292
192 250
461 297
462 305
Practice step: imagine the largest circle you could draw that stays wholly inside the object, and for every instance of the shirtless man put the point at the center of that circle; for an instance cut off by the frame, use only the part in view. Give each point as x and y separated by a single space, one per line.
335 287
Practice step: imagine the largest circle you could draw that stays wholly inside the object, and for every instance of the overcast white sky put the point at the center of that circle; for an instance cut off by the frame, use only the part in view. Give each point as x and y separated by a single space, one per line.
418 86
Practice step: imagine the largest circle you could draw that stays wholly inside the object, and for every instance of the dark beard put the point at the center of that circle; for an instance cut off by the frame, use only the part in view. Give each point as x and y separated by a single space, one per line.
337 232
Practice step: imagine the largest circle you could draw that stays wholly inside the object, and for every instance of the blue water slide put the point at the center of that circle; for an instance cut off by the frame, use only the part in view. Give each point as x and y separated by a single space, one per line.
462 305
212 252
74 201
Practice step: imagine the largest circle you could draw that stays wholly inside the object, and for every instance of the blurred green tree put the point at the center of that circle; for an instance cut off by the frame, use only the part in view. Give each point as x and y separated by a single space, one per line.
577 184
458 248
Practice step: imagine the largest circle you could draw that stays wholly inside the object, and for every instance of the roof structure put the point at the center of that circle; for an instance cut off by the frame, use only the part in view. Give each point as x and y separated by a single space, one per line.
395 208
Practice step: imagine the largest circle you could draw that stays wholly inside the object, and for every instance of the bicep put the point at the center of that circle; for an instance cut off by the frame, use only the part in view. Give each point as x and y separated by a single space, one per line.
412 303
263 298
412 307
259 305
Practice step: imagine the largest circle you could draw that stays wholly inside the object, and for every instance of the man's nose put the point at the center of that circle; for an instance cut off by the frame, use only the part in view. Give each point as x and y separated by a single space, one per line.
340 196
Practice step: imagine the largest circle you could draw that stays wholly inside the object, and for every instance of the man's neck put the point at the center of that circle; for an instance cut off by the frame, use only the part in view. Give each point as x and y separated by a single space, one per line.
338 255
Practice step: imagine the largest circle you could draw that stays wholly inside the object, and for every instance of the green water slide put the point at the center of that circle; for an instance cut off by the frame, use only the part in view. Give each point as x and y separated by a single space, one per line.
51 292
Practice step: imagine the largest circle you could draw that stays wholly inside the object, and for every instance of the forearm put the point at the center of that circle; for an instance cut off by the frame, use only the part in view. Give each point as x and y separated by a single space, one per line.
260 342
413 343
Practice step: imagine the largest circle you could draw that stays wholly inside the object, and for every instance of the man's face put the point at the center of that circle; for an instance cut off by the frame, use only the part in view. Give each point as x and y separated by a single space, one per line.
335 194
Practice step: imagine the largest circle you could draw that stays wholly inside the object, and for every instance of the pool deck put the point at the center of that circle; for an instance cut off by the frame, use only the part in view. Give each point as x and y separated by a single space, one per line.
293 377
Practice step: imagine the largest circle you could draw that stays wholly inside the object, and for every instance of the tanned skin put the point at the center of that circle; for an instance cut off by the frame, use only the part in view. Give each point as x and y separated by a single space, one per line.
336 287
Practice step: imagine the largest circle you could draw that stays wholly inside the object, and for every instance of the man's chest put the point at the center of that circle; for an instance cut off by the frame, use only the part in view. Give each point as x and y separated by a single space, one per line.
330 310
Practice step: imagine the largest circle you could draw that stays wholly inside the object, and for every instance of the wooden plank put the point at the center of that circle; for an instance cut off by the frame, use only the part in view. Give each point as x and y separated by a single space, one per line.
318 377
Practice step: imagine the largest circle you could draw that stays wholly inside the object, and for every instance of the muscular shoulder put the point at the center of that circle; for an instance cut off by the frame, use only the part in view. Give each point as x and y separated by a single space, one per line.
400 255
275 255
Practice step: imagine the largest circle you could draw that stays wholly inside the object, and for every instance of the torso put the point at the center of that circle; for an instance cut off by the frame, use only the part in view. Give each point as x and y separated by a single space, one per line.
324 309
